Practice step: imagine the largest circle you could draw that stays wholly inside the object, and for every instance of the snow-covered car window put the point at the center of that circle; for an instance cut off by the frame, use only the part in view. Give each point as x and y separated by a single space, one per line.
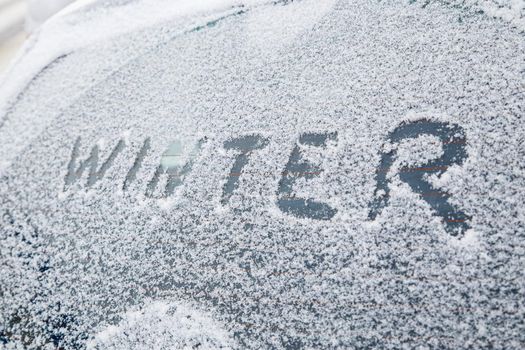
298 174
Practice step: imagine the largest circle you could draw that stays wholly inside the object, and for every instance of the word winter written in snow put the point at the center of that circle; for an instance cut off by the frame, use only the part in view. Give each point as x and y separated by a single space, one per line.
177 162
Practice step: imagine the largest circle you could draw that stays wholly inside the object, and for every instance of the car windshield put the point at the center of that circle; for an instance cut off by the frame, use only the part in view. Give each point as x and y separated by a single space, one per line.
295 174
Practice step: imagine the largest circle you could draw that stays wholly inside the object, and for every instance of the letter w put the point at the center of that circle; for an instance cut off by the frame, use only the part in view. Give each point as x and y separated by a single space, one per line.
74 173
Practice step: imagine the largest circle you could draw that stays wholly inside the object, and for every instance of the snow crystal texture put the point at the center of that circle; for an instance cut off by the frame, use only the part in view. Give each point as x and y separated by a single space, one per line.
265 105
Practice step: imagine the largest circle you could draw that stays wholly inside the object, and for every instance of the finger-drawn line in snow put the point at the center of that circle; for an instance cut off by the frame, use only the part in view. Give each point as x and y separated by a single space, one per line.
304 207
176 163
245 145
453 140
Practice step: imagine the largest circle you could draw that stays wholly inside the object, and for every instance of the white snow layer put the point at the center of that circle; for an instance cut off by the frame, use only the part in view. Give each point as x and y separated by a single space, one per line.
162 325
100 258
64 34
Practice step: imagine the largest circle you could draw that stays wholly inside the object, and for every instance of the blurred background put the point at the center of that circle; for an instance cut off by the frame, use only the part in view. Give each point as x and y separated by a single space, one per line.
18 18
